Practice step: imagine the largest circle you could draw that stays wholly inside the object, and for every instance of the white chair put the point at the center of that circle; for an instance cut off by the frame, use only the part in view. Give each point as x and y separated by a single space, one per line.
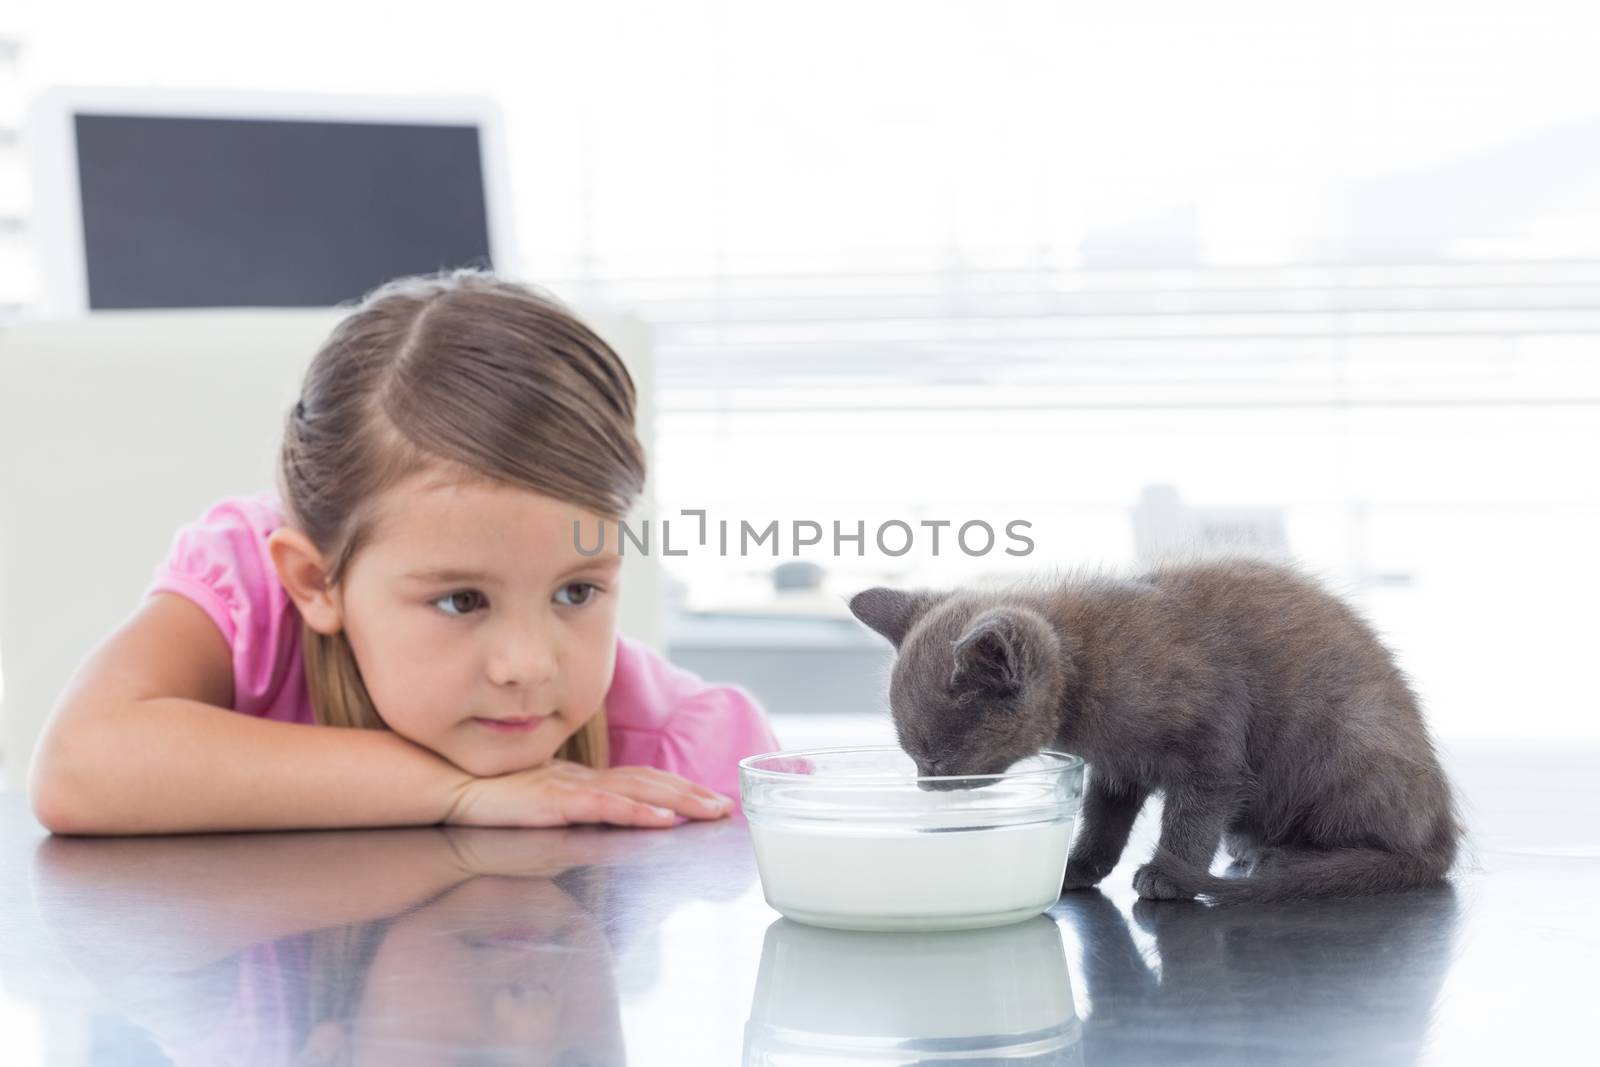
117 427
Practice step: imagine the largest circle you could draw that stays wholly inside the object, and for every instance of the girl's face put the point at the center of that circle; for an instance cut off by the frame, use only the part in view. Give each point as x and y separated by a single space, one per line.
480 630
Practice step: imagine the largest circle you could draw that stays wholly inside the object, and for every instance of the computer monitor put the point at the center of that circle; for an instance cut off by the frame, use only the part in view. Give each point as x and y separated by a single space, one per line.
164 199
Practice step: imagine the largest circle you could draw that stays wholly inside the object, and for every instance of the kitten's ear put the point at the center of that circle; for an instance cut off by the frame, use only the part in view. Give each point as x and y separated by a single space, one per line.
989 655
891 612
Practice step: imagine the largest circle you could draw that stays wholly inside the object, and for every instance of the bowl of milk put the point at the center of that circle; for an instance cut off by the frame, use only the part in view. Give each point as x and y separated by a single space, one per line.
854 839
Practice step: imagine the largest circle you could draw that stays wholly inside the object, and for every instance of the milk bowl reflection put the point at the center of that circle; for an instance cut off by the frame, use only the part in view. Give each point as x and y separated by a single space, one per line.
1001 993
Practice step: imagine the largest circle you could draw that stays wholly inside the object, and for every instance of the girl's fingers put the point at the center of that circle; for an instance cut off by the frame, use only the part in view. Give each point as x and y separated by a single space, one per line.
595 805
709 799
666 793
569 771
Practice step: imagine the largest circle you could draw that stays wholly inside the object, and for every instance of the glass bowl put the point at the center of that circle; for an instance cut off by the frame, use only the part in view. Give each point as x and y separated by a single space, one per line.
854 839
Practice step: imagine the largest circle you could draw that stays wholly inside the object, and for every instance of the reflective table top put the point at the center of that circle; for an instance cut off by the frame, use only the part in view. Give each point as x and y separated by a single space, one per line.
593 946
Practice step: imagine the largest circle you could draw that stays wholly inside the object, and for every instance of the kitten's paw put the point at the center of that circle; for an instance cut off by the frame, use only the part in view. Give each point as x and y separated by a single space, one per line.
1083 875
1242 848
1152 883
1267 857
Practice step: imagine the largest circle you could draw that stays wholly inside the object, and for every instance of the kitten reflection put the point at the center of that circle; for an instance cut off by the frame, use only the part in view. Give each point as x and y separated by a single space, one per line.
826 996
1336 981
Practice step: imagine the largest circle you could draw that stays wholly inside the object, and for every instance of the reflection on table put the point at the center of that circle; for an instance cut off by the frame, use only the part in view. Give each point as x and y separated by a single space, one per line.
826 996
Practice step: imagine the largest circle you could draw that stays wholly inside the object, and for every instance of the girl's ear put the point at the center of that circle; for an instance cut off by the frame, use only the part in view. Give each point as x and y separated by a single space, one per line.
891 612
304 576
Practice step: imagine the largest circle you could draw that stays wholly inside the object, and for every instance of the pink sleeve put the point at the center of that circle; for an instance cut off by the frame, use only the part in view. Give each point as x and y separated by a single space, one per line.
710 733
666 717
220 562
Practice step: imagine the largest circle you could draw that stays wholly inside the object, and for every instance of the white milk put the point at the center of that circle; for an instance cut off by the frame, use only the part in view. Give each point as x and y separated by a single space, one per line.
878 878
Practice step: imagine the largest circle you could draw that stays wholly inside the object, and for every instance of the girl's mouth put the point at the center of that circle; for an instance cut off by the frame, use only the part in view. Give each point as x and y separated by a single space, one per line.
511 726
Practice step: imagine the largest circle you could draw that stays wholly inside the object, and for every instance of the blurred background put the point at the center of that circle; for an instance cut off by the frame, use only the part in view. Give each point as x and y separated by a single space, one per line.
1319 280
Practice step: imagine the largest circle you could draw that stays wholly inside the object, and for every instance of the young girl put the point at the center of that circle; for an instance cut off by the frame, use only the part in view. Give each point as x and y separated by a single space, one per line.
415 591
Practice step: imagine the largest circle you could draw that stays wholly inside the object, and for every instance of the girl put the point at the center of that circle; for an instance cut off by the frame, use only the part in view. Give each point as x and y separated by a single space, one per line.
415 587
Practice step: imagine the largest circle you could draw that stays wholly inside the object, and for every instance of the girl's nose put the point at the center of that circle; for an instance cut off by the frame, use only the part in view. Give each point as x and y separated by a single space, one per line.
523 657
529 667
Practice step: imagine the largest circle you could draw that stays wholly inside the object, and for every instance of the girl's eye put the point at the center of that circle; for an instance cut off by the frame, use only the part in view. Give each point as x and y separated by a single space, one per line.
455 601
588 590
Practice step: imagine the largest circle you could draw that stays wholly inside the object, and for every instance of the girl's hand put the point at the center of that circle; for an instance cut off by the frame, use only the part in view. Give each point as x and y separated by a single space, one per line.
561 793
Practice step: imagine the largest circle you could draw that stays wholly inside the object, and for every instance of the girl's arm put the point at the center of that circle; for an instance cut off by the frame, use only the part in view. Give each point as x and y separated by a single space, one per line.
142 743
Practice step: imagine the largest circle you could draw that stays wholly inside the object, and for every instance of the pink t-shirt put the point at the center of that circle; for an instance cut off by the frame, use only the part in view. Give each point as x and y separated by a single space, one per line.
659 715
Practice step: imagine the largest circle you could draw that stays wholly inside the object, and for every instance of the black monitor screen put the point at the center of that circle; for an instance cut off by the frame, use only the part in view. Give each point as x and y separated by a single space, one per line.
200 212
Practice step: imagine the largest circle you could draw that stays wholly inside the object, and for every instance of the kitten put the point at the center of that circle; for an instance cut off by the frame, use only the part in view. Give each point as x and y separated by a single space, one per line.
1265 711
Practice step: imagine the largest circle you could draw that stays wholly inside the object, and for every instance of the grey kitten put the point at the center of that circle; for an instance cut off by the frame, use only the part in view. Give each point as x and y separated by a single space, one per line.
1265 711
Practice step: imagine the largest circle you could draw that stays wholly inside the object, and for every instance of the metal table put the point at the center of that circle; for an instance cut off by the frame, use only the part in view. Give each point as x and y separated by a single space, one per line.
593 946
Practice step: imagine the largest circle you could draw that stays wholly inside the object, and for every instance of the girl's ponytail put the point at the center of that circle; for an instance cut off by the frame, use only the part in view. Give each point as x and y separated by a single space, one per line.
338 695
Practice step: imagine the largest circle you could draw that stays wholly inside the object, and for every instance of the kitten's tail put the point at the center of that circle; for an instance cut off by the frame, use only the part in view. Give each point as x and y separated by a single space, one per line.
1308 875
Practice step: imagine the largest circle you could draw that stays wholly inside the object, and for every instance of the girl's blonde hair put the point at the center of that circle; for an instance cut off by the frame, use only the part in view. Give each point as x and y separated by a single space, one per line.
470 374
